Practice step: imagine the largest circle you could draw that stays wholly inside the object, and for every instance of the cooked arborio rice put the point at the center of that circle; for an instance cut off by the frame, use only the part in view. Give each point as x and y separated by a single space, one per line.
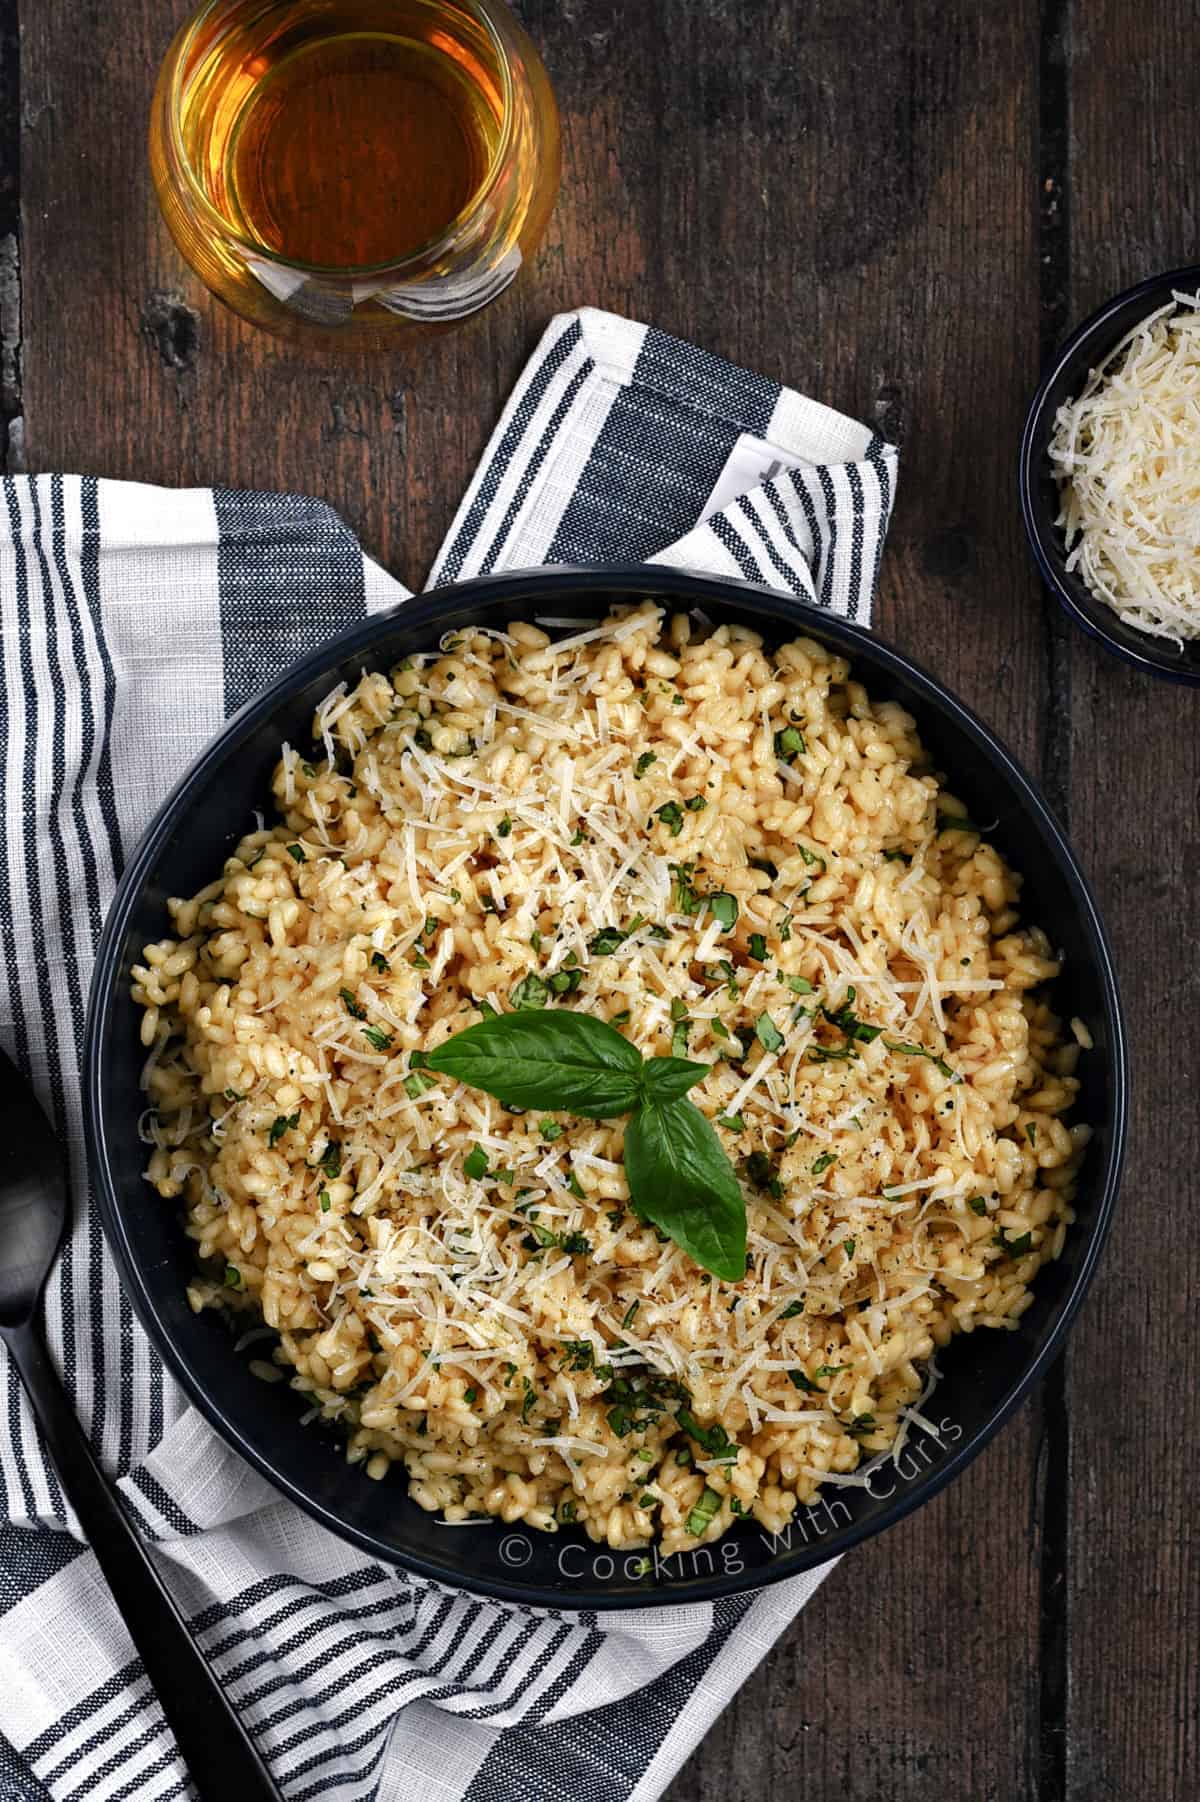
480 828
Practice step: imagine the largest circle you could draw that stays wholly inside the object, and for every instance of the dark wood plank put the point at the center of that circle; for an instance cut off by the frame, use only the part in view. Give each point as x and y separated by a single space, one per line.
843 201
1134 1589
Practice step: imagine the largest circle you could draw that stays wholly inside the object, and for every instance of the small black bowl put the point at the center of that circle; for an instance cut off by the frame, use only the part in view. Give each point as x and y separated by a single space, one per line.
984 1374
1088 348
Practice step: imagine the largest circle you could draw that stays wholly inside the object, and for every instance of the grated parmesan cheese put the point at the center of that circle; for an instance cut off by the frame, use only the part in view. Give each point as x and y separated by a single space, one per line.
1126 455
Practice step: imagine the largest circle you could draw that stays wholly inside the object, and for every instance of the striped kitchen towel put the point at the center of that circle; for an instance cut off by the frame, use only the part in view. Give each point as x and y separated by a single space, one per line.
134 621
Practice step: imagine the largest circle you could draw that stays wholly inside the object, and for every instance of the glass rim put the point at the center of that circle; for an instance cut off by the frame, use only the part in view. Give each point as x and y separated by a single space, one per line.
488 13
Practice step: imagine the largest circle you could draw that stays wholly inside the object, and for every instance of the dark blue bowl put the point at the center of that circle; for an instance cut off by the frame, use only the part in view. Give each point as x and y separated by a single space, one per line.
1088 348
985 1374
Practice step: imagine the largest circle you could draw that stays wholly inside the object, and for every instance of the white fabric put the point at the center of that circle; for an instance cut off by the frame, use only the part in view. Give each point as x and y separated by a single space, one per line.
134 620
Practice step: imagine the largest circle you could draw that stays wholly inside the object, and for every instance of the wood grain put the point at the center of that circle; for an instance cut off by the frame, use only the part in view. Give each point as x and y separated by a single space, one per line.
1134 1397
853 200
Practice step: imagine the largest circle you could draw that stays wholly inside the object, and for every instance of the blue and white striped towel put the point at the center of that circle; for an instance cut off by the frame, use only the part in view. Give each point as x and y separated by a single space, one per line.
134 621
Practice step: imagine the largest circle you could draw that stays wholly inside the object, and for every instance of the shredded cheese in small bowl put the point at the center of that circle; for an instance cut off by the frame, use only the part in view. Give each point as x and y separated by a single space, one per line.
1125 453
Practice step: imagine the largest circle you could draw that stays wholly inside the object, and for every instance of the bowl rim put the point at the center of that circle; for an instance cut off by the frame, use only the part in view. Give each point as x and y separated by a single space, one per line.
525 585
1145 654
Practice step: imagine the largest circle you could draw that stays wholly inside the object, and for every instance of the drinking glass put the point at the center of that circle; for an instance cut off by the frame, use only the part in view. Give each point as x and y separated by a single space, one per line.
349 168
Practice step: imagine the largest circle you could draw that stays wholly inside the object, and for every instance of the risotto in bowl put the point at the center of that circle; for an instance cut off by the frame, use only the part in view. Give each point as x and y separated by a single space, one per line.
606 1090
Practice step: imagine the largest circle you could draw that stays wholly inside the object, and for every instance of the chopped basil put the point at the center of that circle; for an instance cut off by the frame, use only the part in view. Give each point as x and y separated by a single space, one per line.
785 928
848 1247
714 1440
957 822
380 962
671 815
724 908
470 1396
767 1033
1031 1131
630 1311
1015 1246
420 962
733 1123
504 828
823 1162
418 1084
233 1277
763 1174
376 1036
793 1308
643 763
977 1204
326 1200
799 985
530 992
799 1379
832 1054
331 1159
352 1007
718 1029
696 804
704 1512
550 1130
606 941
910 1050
758 947
847 1021
475 1164
282 1123
679 1037
297 851
766 866
789 744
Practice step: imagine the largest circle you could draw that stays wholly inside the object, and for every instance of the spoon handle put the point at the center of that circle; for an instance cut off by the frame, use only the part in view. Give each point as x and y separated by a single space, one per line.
220 1755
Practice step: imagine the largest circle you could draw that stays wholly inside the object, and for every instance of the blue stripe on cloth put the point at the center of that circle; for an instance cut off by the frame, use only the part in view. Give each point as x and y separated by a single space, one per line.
162 1503
602 1755
826 481
530 473
877 458
737 547
792 577
52 917
819 553
507 449
668 436
275 547
17 1781
29 1557
89 570
856 539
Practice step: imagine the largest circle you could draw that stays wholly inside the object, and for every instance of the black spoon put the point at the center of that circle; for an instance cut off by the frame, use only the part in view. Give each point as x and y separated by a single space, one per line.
219 1753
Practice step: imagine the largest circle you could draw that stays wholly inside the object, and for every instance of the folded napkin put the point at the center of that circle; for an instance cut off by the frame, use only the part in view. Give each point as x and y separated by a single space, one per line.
134 621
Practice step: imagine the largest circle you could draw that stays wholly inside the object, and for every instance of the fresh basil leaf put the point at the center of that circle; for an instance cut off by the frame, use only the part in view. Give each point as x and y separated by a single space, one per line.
666 1078
681 1180
554 1059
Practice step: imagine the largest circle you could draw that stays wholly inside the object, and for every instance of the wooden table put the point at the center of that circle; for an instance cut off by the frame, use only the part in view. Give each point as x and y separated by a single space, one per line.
898 209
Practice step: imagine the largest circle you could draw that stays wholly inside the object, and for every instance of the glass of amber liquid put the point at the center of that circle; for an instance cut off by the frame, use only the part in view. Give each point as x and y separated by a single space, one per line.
346 168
